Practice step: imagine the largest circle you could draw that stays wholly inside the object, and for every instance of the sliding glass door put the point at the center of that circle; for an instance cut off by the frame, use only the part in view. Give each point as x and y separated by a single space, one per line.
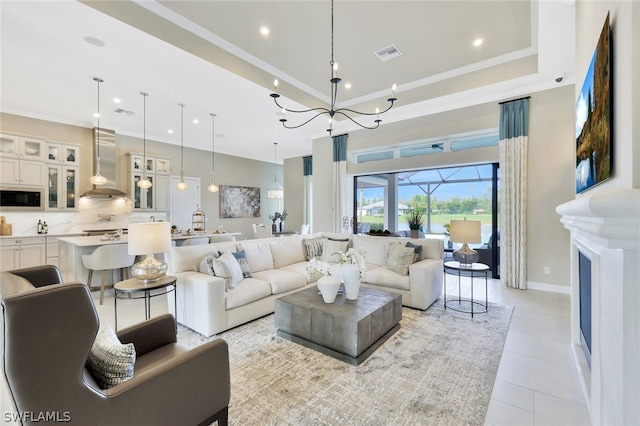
382 201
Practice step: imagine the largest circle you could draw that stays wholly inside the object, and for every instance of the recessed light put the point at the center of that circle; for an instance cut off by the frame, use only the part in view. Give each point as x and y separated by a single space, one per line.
347 86
117 100
264 31
170 131
96 115
196 121
477 42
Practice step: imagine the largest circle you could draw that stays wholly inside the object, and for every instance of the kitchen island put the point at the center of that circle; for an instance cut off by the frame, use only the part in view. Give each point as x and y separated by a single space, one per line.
71 250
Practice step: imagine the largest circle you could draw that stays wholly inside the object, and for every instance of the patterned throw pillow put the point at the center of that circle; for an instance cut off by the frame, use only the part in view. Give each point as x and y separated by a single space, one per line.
313 247
241 257
400 258
330 247
417 248
227 267
206 264
110 362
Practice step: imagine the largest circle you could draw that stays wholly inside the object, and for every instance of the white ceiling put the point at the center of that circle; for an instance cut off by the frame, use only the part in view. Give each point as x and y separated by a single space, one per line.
211 56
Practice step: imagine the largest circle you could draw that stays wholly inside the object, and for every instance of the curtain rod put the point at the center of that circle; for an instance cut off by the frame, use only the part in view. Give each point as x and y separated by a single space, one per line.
512 100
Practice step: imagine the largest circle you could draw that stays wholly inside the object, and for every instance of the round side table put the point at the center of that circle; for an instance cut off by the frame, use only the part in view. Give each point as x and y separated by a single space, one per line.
474 270
134 285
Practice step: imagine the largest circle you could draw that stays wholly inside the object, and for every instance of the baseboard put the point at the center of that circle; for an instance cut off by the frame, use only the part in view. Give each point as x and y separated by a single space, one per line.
553 288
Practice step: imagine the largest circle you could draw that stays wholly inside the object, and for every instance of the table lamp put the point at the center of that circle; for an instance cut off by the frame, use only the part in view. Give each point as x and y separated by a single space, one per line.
466 232
149 239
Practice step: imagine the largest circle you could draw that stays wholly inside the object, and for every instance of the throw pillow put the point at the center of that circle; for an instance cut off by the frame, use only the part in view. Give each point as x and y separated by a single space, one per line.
241 257
329 247
110 362
313 246
387 248
227 267
417 248
400 258
206 264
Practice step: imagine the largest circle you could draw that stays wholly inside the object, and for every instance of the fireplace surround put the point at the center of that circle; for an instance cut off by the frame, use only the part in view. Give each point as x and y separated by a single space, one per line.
605 228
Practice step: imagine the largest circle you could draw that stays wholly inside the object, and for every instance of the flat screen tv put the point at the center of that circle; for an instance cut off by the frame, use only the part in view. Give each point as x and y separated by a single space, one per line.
594 118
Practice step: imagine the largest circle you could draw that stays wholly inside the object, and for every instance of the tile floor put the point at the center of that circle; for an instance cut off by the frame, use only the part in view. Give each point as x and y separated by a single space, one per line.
537 381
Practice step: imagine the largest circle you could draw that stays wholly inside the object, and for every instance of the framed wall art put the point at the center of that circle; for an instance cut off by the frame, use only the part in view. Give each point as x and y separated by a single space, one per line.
239 201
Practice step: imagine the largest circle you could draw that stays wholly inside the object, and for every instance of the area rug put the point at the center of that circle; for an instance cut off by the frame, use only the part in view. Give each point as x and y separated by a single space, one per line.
438 369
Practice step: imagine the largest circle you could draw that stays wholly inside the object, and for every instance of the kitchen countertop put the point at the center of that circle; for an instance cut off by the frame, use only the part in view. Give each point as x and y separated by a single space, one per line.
98 240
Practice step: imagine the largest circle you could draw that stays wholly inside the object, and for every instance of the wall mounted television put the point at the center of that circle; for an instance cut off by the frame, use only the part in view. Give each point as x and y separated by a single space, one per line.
594 118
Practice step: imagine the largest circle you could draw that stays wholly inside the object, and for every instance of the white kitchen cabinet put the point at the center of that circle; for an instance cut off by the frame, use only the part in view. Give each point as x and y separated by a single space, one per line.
23 252
25 148
62 153
62 187
135 166
14 171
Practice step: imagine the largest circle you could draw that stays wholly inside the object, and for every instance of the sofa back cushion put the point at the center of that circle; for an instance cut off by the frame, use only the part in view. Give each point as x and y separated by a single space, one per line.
188 258
286 251
377 248
258 254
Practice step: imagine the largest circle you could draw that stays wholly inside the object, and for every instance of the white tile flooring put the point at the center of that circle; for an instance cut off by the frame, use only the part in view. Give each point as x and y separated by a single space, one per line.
537 382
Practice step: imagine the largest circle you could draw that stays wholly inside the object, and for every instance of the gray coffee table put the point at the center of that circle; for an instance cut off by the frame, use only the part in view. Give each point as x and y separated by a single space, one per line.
349 330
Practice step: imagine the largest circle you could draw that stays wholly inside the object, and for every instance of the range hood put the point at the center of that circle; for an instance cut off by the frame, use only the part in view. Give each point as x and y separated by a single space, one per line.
107 140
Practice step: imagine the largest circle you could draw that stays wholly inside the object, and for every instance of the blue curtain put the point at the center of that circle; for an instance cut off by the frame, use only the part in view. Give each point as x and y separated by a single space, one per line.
307 165
340 148
514 119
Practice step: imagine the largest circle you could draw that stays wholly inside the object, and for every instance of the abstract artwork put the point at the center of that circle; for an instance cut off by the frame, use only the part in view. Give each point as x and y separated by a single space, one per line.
239 201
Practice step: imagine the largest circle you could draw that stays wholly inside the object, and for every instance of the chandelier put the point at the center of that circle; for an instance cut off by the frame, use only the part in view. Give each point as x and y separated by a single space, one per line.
182 185
144 183
333 111
213 187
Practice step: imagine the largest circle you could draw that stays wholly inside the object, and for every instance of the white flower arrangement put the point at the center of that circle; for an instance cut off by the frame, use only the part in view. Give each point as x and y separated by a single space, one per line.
351 256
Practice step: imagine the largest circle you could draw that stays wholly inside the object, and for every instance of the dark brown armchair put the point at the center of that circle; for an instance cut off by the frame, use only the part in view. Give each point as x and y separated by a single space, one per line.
48 331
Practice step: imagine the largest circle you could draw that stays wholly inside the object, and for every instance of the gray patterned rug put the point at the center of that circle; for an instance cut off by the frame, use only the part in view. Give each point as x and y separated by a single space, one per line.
439 368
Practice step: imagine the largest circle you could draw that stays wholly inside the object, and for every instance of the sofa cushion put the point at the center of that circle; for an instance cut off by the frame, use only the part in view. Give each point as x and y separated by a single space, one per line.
329 247
258 255
384 277
303 268
313 247
400 258
187 258
111 362
247 291
286 251
241 257
227 267
206 264
282 280
417 248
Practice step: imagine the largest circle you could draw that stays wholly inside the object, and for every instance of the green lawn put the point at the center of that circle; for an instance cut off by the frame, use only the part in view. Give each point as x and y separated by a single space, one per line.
436 219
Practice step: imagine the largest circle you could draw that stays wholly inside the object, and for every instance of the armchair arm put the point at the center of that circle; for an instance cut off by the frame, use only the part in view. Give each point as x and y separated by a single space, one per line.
150 335
185 388
40 276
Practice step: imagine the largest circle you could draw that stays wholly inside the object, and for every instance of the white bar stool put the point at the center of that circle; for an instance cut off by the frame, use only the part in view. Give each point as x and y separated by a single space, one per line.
107 258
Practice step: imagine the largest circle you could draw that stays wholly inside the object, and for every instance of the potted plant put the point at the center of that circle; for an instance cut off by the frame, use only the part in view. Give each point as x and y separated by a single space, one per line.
415 219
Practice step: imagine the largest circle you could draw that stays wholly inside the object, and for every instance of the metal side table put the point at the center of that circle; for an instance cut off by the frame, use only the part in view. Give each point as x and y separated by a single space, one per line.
134 285
466 305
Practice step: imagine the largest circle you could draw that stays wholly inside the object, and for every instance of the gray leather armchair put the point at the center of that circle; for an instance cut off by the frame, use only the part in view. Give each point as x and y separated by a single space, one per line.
48 331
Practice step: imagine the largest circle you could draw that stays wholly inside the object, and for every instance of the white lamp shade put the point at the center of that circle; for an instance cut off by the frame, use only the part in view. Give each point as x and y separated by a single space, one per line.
149 238
275 192
466 231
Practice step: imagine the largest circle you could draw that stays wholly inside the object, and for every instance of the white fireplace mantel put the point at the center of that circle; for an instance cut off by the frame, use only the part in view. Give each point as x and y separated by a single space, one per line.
605 227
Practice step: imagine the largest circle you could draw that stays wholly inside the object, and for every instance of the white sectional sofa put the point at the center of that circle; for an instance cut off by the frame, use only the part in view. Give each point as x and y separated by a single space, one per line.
278 266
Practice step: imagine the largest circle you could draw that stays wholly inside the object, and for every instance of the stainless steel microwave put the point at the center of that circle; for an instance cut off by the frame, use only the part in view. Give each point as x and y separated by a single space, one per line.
21 199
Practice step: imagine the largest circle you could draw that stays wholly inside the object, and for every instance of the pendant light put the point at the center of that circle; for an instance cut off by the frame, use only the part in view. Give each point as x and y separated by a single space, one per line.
144 183
213 187
182 186
98 179
276 191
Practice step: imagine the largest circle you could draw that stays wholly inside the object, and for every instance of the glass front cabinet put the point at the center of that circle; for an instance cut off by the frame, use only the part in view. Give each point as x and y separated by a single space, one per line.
62 187
157 171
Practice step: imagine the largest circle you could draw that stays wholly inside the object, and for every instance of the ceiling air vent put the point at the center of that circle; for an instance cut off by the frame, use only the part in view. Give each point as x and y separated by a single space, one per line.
387 53
124 111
